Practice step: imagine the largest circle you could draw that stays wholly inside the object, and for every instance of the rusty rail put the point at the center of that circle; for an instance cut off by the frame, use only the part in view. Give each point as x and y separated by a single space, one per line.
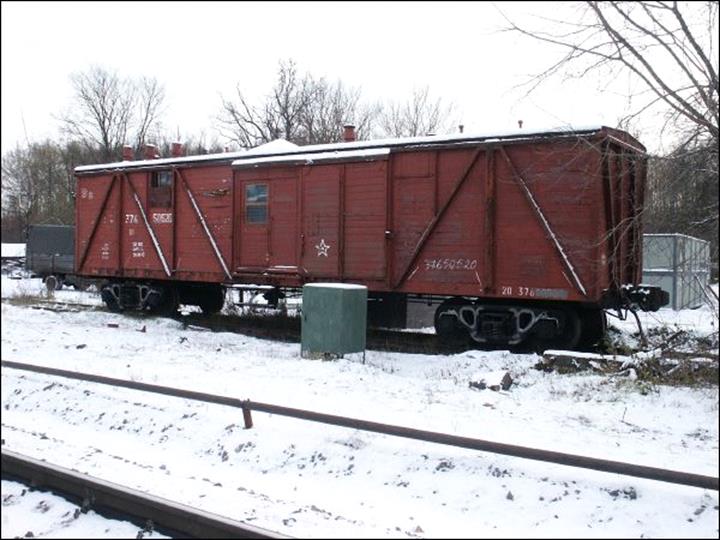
571 460
101 495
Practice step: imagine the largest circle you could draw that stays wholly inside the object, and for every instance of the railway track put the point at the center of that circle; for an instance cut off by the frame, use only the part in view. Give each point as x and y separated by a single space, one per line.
279 328
285 328
174 519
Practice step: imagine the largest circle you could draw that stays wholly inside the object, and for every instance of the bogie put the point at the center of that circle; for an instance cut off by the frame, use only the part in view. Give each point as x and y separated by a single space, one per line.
162 298
521 327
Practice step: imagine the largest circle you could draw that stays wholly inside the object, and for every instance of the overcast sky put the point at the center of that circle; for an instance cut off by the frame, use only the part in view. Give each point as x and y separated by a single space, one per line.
202 50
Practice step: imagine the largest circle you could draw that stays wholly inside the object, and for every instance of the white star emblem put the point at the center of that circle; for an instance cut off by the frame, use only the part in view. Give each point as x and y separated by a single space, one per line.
322 248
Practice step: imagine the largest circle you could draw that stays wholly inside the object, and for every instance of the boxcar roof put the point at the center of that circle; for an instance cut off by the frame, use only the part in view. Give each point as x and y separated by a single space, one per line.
313 157
266 154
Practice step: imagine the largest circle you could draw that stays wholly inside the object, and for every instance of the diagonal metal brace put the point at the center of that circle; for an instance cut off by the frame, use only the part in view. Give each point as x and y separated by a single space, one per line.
544 222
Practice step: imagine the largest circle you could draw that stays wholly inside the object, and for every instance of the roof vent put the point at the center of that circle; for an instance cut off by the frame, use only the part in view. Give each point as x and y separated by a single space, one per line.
348 133
177 149
151 152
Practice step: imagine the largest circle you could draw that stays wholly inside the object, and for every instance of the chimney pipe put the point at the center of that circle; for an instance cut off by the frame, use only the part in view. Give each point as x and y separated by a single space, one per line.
349 133
151 151
520 123
462 128
177 149
128 153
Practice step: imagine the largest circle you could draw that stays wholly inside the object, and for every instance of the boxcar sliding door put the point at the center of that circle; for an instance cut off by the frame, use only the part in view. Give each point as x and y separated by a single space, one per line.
268 218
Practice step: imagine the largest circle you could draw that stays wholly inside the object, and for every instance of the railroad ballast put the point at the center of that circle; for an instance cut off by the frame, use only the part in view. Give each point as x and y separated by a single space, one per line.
524 238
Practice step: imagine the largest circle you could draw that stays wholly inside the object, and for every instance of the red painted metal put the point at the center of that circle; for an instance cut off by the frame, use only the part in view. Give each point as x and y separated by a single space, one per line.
564 260
84 245
550 216
438 216
488 281
349 133
203 222
177 149
150 151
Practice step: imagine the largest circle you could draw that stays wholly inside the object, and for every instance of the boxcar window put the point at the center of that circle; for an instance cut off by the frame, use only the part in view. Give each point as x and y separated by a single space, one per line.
161 189
256 203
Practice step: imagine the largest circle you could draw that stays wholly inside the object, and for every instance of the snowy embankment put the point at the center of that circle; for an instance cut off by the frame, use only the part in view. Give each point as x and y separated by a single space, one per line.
12 250
307 479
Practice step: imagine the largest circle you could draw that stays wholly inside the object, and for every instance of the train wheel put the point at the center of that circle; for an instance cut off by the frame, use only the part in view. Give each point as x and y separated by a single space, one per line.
568 339
447 326
53 283
213 300
169 302
594 326
110 300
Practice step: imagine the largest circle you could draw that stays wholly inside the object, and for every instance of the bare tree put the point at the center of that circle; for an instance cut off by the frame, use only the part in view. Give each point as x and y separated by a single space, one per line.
277 117
330 108
151 96
666 46
37 187
110 111
668 50
420 115
299 108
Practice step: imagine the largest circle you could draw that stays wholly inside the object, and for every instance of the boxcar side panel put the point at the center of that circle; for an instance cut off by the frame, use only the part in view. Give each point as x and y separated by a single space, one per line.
413 207
453 253
449 258
143 254
212 190
321 220
565 181
98 213
283 238
365 214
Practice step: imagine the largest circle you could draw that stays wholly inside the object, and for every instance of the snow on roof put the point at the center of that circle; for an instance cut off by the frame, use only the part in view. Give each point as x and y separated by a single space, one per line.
13 250
310 158
274 149
278 145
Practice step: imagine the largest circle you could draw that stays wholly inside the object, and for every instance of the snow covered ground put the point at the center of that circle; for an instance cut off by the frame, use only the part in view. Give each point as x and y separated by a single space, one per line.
12 250
40 514
311 480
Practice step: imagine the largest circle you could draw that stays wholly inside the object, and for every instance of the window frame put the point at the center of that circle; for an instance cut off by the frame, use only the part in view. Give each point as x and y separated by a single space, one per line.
161 196
254 204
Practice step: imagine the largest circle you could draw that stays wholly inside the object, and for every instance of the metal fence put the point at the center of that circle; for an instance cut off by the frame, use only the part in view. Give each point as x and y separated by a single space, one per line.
679 264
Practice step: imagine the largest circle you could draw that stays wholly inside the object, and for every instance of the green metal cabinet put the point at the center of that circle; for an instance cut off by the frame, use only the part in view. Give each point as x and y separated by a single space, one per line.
334 319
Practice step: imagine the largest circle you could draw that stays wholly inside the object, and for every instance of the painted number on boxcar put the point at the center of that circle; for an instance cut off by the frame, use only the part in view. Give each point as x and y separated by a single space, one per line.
162 217
532 292
507 290
132 218
138 250
450 264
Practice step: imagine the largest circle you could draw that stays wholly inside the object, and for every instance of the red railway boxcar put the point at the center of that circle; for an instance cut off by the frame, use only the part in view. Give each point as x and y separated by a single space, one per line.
524 238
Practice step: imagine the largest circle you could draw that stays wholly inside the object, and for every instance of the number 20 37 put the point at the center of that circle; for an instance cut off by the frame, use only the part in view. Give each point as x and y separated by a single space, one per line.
507 290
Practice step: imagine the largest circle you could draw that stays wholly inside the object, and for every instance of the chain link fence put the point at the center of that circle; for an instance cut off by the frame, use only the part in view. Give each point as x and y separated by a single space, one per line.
679 264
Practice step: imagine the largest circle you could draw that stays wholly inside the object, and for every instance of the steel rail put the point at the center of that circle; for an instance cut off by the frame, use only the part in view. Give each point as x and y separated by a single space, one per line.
560 458
103 495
